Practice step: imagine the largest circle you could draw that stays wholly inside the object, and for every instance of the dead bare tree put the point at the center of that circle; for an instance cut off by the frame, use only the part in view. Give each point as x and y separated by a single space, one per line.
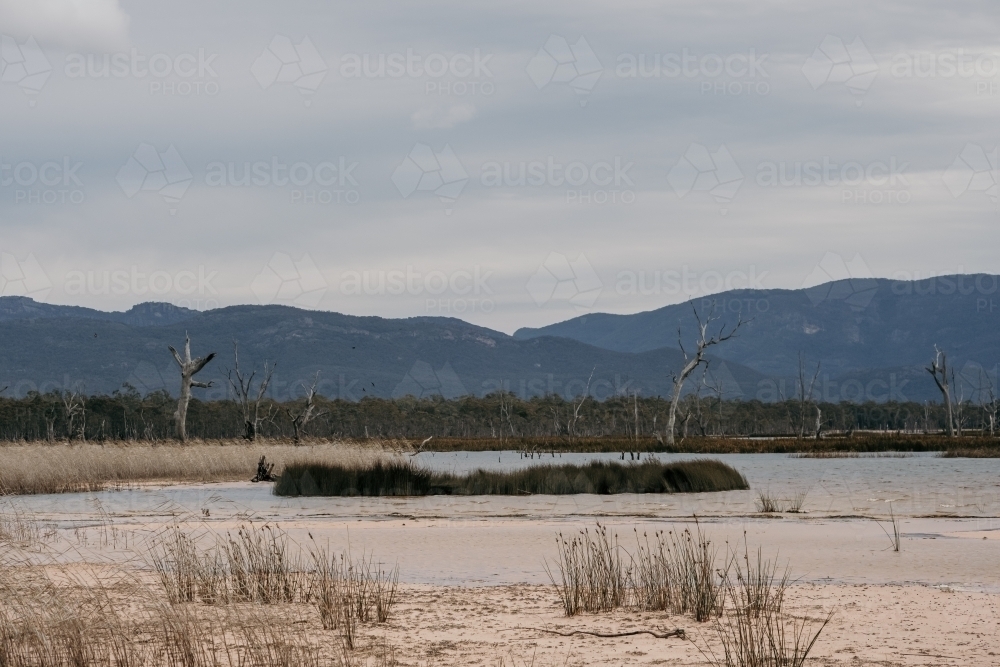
939 371
301 417
74 406
249 398
506 403
189 367
692 362
50 415
583 399
635 410
989 407
806 397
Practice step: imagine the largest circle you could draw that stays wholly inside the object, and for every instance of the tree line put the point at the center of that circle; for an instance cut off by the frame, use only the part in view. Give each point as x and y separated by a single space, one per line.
128 415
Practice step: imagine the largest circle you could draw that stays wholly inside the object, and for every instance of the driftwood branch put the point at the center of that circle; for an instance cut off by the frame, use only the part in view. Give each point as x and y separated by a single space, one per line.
676 632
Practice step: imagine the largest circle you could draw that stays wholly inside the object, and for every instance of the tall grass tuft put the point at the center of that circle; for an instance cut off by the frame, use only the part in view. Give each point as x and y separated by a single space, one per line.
894 537
766 503
400 478
754 629
672 572
592 575
349 591
676 573
254 565
81 622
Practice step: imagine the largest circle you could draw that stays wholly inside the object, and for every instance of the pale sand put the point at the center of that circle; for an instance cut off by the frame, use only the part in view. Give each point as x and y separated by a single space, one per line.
474 579
872 625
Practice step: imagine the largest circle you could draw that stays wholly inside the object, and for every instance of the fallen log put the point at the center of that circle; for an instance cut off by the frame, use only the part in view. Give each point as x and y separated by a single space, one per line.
677 632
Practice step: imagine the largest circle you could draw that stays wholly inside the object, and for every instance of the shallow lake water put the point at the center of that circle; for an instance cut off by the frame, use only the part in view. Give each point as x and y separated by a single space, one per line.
915 486
949 511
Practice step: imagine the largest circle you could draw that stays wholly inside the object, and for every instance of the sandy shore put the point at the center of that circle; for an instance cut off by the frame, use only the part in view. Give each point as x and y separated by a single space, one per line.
872 625
475 590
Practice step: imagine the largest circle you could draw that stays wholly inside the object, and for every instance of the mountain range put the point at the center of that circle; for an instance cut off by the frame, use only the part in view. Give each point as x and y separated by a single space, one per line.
872 339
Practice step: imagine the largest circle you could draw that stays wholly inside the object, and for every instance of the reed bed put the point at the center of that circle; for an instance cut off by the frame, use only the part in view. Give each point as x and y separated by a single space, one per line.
257 565
402 478
254 565
22 528
65 468
852 455
592 576
832 442
972 452
677 572
245 600
673 572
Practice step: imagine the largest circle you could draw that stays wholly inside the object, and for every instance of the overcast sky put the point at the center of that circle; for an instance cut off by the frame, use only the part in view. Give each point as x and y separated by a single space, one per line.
668 150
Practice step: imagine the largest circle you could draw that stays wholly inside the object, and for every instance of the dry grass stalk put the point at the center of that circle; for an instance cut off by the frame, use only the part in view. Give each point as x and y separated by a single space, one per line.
592 573
754 629
676 573
21 528
349 592
81 622
673 571
766 503
796 502
255 565
894 538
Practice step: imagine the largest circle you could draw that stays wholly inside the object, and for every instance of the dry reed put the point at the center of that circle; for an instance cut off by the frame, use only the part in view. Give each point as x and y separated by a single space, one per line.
592 574
674 572
82 622
62 468
349 591
254 565
766 503
754 629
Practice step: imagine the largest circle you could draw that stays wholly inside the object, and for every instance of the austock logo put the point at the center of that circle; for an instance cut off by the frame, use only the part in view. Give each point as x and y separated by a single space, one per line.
23 278
834 62
559 62
424 170
559 279
300 65
24 65
148 170
182 75
284 280
833 279
974 170
703 171
52 182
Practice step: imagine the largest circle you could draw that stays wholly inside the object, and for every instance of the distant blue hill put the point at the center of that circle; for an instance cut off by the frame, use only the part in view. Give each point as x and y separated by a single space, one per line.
873 338
864 332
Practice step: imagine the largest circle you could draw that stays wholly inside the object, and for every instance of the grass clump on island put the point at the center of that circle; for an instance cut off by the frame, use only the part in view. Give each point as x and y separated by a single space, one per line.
402 478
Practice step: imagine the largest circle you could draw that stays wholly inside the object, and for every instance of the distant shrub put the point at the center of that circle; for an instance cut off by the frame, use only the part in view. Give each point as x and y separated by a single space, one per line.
400 478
